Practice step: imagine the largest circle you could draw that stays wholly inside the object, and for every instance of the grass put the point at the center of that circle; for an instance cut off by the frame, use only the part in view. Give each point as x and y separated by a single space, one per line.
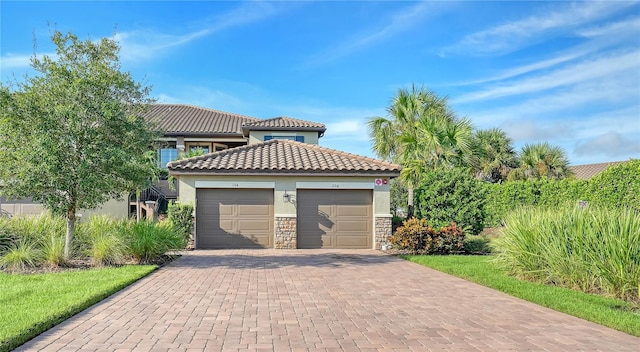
31 304
614 313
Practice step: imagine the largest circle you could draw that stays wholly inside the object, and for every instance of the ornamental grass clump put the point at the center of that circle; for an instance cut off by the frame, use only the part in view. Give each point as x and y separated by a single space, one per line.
149 241
101 239
23 254
592 250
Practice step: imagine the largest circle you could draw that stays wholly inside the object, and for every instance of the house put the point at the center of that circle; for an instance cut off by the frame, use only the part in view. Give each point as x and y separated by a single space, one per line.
287 194
266 183
585 172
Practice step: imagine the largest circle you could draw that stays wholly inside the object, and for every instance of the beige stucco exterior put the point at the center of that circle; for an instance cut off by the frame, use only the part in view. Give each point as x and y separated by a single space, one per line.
258 136
288 184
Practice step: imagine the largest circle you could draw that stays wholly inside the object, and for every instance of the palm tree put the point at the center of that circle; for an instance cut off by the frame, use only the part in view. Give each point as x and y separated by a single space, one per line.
542 160
420 133
493 156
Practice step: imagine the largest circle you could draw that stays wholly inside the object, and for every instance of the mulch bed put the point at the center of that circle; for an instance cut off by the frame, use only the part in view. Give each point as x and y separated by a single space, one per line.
83 264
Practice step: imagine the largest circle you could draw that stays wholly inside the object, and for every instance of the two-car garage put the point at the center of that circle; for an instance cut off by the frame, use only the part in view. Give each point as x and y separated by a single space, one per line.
244 218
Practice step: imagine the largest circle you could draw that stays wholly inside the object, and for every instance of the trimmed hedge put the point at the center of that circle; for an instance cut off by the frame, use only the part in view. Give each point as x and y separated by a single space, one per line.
616 187
452 195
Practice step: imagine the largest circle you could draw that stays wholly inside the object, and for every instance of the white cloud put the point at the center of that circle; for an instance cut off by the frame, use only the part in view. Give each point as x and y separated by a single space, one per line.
611 144
619 32
584 71
138 45
13 61
626 26
512 36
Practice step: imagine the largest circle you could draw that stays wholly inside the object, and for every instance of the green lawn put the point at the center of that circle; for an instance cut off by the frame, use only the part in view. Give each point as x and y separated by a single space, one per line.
31 304
610 312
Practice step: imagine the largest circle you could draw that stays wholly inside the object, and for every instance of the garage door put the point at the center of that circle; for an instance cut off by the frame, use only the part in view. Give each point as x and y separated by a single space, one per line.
334 218
234 218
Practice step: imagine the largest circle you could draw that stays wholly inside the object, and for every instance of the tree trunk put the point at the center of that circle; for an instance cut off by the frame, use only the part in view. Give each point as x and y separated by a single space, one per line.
409 202
71 225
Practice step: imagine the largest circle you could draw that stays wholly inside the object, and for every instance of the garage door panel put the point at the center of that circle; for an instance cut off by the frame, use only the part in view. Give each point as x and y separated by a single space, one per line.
253 226
249 210
222 209
234 218
353 226
327 241
353 210
349 241
226 225
335 218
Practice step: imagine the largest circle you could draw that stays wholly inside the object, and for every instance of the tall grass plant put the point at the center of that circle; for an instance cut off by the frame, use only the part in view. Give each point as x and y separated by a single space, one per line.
148 241
102 241
23 254
593 250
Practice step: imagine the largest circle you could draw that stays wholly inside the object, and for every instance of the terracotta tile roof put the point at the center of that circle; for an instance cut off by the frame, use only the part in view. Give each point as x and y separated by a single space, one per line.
585 172
284 157
179 119
284 123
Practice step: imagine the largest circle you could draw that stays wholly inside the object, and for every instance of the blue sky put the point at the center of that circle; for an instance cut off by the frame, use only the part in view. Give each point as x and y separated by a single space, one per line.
563 72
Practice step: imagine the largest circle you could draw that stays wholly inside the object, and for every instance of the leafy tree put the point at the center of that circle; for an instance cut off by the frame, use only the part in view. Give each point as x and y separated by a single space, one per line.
421 132
72 136
493 155
541 160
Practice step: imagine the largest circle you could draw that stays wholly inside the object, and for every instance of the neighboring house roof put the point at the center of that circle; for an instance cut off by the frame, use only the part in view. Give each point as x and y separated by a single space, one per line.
585 172
283 123
178 119
284 157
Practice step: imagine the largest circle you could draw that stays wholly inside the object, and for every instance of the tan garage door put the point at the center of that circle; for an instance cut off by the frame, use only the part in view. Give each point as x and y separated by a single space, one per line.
334 218
234 218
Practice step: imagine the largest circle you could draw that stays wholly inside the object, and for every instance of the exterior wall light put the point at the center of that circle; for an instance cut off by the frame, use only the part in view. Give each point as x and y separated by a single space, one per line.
286 197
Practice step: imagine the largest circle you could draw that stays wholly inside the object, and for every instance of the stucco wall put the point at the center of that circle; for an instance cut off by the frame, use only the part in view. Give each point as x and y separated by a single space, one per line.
381 194
258 136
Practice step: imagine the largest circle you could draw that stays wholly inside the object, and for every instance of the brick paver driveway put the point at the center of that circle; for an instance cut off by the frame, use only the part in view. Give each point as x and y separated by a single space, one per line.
281 300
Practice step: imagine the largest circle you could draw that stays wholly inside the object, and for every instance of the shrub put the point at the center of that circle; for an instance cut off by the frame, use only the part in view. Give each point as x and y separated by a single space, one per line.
148 241
477 244
181 217
451 195
616 187
594 249
417 237
449 239
414 236
23 254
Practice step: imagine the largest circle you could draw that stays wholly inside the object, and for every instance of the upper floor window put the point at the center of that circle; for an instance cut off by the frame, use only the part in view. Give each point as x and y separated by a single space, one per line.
167 155
291 138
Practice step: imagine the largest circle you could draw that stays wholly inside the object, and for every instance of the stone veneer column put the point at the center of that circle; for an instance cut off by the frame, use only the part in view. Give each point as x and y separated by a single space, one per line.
286 232
383 230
